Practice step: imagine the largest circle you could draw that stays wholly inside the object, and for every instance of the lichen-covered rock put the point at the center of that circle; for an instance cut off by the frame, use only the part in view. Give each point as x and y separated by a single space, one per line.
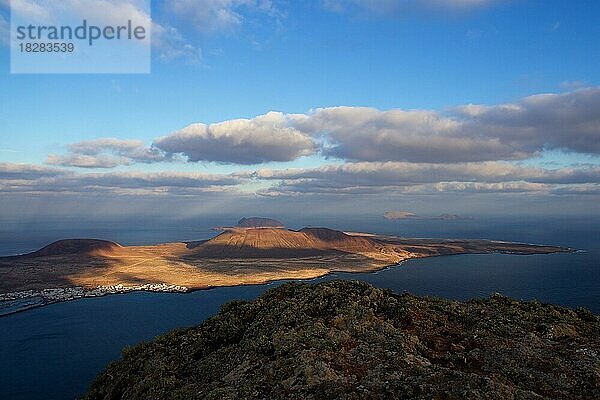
350 340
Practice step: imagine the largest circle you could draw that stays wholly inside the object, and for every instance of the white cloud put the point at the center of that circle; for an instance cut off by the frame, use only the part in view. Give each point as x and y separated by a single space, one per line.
242 141
33 9
403 7
572 85
209 16
111 12
170 45
219 16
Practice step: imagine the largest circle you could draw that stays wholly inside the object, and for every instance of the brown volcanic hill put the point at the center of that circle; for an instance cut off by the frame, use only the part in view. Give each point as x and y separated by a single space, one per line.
341 241
260 242
272 242
325 234
76 246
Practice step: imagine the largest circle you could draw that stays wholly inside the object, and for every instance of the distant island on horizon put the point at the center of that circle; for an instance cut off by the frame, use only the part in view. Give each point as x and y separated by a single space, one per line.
259 222
255 251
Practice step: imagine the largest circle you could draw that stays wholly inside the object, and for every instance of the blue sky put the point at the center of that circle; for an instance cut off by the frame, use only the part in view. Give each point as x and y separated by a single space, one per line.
294 57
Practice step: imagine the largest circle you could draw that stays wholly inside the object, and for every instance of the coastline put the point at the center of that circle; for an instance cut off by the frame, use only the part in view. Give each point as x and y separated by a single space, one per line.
16 302
11 303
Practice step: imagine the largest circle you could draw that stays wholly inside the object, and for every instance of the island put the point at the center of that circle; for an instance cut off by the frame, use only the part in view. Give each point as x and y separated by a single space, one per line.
75 268
259 222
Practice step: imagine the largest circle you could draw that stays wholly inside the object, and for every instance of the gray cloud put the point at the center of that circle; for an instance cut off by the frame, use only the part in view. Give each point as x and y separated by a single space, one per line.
304 188
83 161
27 190
107 153
403 174
354 178
365 178
299 188
28 171
407 215
482 187
569 121
583 189
29 178
159 179
367 134
264 138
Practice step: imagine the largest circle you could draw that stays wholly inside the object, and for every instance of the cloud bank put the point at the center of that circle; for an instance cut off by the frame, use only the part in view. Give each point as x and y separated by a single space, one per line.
384 155
25 178
400 177
514 131
350 178
569 121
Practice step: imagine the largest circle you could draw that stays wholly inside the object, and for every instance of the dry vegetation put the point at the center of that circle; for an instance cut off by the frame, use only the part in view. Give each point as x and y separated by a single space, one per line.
349 340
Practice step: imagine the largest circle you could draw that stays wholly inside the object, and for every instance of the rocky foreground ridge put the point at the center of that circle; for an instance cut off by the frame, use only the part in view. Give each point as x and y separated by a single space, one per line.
350 340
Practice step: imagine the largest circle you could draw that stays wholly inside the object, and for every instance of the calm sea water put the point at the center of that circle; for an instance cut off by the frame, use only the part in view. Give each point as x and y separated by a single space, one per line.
55 351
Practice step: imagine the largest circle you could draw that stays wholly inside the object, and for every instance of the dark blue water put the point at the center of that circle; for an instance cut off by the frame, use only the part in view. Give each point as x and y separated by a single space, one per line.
55 351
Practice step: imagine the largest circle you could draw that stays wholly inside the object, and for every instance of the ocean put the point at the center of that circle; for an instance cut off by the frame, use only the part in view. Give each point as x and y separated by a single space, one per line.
54 352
